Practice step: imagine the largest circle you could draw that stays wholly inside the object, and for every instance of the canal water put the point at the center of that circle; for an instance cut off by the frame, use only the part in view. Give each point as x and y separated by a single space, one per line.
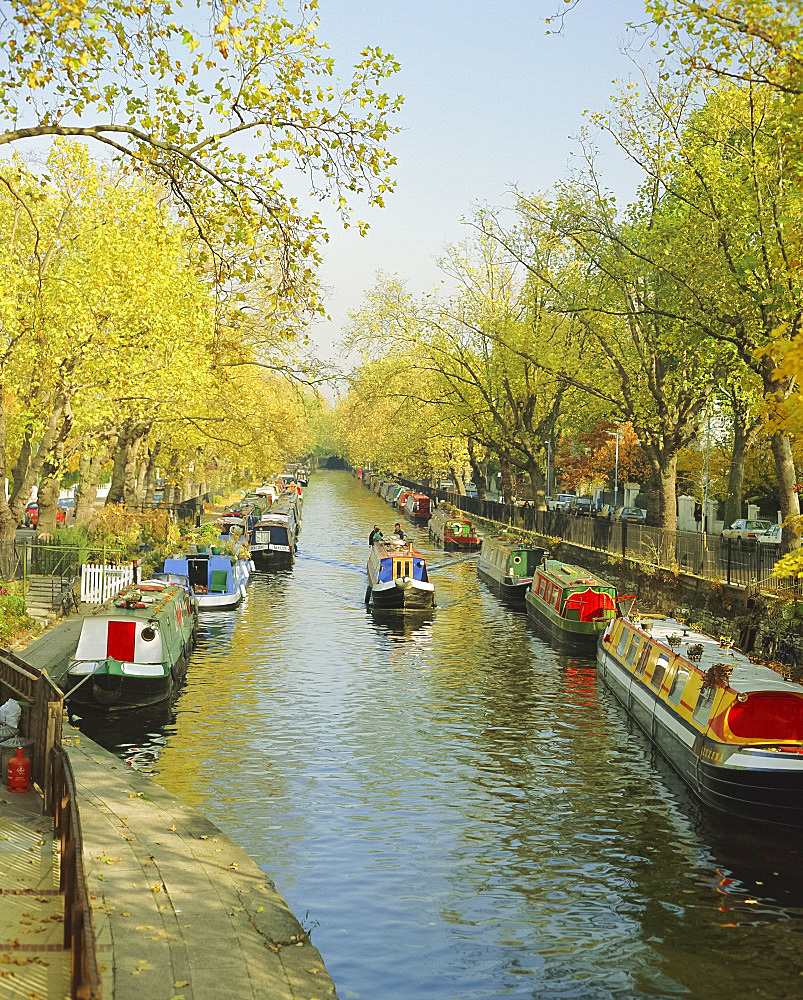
453 810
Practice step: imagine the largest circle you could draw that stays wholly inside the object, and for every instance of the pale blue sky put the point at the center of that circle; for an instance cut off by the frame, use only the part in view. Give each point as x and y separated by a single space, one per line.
490 101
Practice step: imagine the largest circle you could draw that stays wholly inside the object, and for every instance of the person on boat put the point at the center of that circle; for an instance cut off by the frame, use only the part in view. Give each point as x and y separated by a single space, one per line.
375 536
398 533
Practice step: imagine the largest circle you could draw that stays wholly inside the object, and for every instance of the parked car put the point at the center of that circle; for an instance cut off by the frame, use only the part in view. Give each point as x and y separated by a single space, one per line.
30 518
746 531
772 536
608 512
633 515
583 507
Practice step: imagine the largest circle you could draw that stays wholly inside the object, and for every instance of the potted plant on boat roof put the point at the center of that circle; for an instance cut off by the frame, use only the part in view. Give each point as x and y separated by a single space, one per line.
694 651
673 639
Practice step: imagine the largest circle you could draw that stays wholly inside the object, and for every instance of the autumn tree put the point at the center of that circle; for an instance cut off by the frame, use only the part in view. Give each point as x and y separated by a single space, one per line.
218 103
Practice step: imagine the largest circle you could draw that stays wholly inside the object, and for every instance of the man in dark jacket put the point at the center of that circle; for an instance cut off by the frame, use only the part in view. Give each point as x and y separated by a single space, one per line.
375 536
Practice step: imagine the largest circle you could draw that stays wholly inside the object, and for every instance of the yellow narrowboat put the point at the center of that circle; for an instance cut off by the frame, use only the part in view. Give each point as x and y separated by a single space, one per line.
732 729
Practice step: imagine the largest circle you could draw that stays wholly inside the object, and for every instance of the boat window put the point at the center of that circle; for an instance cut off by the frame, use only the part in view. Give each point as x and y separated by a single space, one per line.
632 649
555 597
678 684
541 587
641 665
623 639
702 710
659 670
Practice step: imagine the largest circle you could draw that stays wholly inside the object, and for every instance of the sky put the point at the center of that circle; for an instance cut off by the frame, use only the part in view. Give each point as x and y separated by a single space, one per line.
491 102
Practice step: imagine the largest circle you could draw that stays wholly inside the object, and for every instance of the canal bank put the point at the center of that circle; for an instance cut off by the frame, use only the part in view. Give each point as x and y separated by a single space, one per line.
179 910
755 620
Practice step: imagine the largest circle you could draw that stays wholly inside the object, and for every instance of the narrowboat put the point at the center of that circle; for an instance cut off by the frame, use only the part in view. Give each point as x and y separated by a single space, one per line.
507 565
571 605
398 578
733 730
133 650
418 507
217 582
453 530
273 539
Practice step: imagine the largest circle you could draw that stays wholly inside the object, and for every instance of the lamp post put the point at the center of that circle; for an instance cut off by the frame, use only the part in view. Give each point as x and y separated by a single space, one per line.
615 434
705 485
549 467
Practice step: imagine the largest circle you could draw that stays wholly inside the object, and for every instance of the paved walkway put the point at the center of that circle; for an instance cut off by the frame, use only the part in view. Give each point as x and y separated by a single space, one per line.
179 910
33 963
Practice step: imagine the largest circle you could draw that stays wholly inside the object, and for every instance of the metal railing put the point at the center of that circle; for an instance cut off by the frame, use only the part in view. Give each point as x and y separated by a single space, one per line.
79 931
724 560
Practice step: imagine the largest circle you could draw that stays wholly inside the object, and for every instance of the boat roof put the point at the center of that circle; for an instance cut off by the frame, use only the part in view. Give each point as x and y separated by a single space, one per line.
569 575
151 594
513 544
745 676
396 547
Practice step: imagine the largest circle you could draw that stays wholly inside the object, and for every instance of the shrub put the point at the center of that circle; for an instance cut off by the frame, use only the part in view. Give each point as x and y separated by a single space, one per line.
14 618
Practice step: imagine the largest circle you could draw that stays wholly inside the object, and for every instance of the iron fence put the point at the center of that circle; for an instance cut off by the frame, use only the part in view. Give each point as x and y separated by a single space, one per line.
725 560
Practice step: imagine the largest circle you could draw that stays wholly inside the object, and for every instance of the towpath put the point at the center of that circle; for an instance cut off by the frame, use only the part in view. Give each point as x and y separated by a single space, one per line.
179 910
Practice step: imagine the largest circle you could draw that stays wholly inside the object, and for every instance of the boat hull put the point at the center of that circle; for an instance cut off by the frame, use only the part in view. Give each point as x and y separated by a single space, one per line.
219 602
117 692
400 598
511 589
746 782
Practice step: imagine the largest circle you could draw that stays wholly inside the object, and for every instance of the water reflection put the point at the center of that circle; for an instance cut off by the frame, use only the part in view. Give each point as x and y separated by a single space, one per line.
462 812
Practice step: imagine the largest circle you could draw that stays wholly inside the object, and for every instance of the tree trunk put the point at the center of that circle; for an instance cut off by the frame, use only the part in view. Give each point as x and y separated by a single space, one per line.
733 499
669 498
47 498
787 485
477 472
94 456
139 492
538 483
150 474
122 489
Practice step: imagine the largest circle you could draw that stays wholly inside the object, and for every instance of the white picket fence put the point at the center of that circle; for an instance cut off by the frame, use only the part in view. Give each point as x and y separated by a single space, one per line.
99 582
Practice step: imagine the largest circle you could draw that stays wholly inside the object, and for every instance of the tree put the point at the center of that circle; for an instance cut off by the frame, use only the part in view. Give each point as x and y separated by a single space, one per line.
218 117
746 40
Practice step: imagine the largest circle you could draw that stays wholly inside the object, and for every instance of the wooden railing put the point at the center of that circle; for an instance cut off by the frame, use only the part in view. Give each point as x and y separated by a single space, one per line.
41 701
79 932
40 722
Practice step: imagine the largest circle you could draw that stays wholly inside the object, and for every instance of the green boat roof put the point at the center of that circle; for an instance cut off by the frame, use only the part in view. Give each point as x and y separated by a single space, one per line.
569 575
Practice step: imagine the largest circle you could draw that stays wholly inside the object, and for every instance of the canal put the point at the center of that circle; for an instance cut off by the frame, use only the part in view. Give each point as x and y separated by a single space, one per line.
453 810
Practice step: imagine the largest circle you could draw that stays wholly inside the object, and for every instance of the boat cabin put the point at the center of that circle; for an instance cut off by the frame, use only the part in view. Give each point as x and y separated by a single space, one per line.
207 574
574 593
418 507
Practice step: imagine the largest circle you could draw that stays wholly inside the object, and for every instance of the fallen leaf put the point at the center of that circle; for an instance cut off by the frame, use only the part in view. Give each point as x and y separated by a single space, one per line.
180 984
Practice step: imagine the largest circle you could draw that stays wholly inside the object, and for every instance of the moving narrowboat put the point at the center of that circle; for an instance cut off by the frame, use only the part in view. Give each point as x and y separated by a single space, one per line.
133 650
453 530
418 507
273 539
218 584
507 565
398 578
571 605
733 730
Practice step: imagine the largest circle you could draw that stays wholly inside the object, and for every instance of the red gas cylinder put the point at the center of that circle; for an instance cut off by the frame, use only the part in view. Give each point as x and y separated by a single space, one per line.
19 772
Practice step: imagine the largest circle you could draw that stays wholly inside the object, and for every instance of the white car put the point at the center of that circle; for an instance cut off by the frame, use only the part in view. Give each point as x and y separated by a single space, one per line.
745 531
772 536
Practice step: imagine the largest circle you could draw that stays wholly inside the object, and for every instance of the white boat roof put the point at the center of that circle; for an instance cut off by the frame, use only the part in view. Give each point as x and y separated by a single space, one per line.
745 676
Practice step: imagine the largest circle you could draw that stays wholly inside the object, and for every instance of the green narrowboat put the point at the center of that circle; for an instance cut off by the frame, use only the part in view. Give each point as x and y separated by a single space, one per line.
572 605
133 650
507 565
